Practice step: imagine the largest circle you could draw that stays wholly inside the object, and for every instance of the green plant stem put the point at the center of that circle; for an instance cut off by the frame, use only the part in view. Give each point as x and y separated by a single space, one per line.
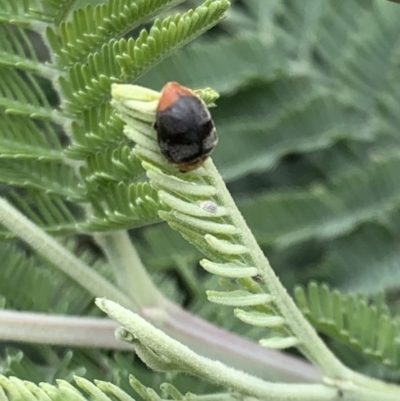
196 333
218 344
214 371
73 331
175 354
192 331
131 275
216 397
311 344
60 257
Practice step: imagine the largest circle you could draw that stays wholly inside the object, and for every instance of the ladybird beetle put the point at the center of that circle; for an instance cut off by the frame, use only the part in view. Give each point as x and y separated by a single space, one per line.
185 131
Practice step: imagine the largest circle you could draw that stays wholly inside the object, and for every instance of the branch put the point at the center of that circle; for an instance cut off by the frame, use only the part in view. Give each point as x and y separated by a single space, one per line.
131 275
165 351
72 331
200 335
59 256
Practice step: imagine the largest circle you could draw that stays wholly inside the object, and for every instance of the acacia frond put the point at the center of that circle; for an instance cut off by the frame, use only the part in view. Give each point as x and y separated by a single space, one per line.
15 389
366 259
16 49
99 24
353 320
50 212
88 84
301 119
22 138
49 176
15 12
122 206
381 55
22 95
100 129
120 197
52 11
41 288
113 165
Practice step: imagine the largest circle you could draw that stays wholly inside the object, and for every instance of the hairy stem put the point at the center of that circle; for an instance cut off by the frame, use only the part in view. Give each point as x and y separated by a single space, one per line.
73 331
196 333
311 344
157 345
233 350
131 275
59 256
201 336
214 371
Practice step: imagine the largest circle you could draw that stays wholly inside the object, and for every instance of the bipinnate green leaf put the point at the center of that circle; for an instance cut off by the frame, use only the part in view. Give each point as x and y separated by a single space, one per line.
99 24
15 12
353 320
15 389
88 84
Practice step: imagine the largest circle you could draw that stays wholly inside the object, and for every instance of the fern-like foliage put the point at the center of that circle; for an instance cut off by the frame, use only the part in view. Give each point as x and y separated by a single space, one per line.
99 25
122 206
52 11
353 320
22 95
111 172
16 49
366 195
88 54
40 287
12 389
15 12
88 84
43 144
308 129
309 97
52 213
50 177
99 130
197 205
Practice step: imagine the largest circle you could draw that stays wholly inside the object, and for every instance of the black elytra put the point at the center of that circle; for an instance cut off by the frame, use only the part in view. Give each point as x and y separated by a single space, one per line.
185 131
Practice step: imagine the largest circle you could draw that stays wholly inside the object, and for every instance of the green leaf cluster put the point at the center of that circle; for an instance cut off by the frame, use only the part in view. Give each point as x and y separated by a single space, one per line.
353 320
89 52
14 389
